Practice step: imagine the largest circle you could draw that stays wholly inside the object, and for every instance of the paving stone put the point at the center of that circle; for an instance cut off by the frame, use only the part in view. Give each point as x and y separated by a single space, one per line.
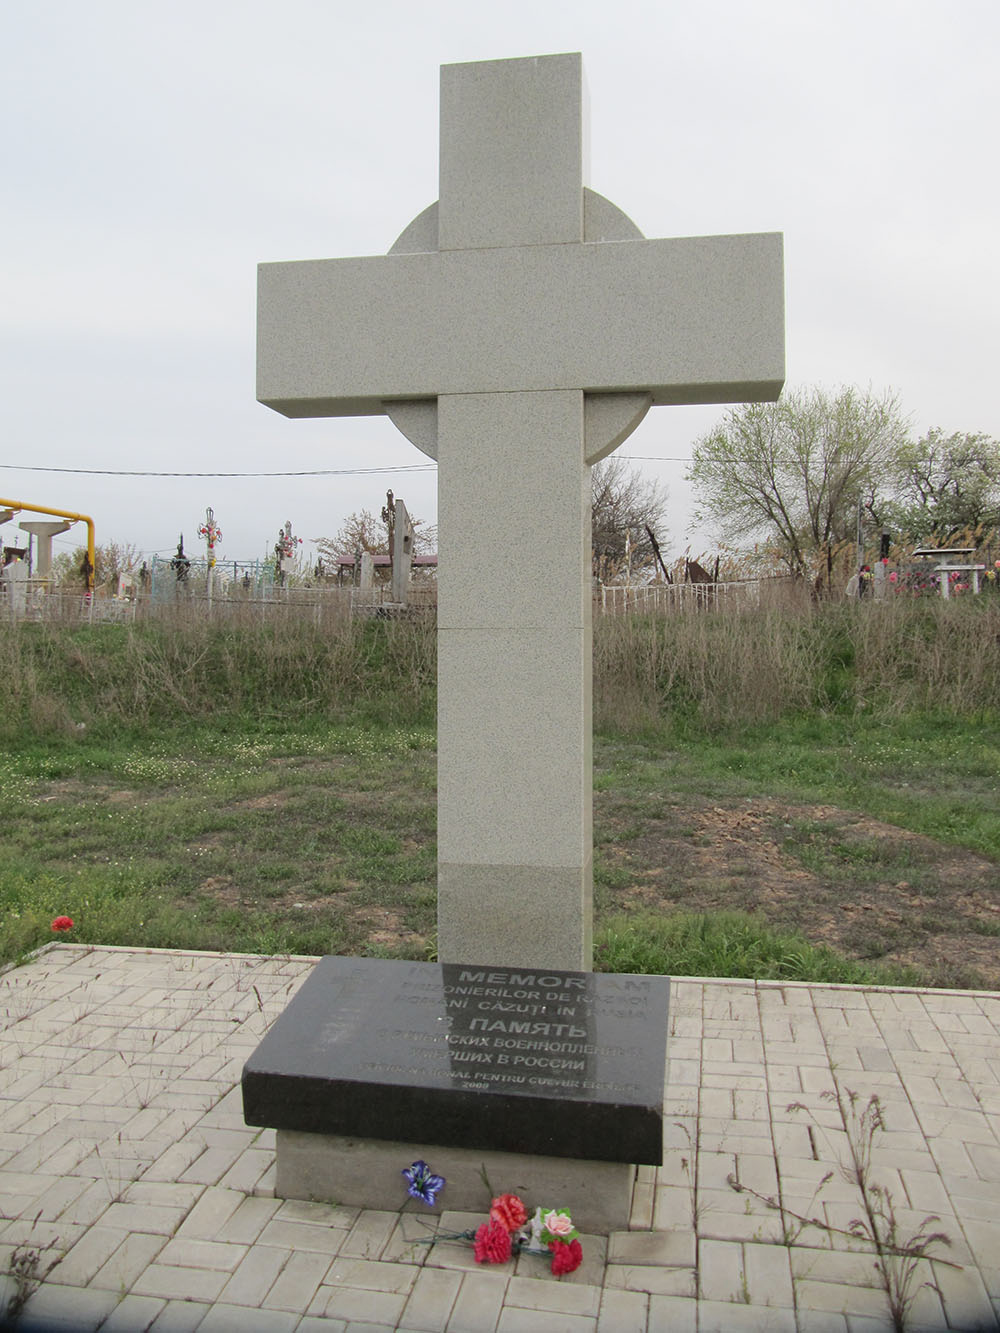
89 1255
623 1311
54 1201
210 1214
297 1282
657 1281
247 1170
210 1165
323 1214
88 1207
197 1284
672 1314
480 1299
64 1309
431 1300
223 1318
356 1303
124 1268
163 1221
346 1272
556 1296
768 1275
670 1249
183 1252
408 1242
721 1275
514 1320
836 1297
248 1221
723 1317
163 1193
132 1314
179 1317
824 1321
302 1236
672 1206
643 1199
369 1235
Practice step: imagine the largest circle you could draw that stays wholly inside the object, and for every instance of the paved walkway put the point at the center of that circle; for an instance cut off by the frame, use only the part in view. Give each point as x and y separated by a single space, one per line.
123 1154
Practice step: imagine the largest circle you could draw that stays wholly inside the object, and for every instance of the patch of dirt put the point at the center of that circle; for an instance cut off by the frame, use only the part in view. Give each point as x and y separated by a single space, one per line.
222 890
385 927
90 791
275 800
870 890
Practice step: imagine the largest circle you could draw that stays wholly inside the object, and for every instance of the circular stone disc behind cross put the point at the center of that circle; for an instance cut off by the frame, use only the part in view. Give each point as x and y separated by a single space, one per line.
608 418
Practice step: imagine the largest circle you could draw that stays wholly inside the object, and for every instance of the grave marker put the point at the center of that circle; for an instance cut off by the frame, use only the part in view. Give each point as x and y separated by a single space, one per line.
518 331
402 553
375 1063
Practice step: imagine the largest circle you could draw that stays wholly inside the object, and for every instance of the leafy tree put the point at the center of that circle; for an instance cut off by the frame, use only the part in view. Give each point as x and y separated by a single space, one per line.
110 560
625 508
946 485
794 472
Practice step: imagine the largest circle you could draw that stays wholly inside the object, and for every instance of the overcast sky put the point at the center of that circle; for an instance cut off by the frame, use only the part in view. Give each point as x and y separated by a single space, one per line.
154 151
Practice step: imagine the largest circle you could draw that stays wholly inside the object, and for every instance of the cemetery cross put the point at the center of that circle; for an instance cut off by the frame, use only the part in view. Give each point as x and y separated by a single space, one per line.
517 332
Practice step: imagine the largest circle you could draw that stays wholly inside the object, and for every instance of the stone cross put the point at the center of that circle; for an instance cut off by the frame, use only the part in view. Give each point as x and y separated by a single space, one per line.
518 331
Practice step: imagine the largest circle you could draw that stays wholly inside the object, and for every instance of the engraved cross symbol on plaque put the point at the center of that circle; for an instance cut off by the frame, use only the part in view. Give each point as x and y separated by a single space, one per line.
518 331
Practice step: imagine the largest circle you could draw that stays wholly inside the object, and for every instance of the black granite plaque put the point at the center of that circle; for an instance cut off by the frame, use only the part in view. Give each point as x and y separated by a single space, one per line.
561 1064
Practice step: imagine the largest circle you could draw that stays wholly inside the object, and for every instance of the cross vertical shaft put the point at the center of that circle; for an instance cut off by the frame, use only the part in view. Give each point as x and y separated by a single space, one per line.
514 660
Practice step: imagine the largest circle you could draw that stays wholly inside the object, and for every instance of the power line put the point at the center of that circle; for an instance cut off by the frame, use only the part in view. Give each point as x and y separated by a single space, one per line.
314 472
310 472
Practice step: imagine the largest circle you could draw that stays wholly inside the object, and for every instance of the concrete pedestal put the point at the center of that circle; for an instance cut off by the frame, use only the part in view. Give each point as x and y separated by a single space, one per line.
365 1173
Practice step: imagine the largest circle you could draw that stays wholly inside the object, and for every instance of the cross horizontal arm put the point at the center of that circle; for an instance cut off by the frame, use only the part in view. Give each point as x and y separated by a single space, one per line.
690 320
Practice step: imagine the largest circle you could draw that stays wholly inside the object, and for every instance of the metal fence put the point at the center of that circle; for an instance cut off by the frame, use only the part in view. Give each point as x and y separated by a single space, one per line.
663 598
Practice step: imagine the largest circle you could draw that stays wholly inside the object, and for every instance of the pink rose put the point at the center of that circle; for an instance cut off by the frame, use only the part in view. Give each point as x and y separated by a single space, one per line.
556 1224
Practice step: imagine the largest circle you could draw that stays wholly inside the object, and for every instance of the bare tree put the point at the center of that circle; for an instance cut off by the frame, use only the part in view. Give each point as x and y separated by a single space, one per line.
626 508
362 531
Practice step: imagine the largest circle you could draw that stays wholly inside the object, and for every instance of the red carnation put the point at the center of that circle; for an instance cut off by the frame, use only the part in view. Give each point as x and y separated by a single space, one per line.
492 1245
509 1211
62 923
566 1258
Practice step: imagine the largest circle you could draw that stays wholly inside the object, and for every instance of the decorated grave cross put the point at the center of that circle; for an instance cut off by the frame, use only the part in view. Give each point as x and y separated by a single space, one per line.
284 551
212 534
518 331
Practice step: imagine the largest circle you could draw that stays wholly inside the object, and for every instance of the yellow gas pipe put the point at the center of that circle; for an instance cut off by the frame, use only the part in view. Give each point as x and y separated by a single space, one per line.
18 505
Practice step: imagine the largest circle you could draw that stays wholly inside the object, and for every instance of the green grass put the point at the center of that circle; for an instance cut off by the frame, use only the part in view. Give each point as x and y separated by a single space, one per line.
272 788
930 774
728 944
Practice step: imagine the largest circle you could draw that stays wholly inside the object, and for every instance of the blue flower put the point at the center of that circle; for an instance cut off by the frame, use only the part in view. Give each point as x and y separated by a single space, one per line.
423 1184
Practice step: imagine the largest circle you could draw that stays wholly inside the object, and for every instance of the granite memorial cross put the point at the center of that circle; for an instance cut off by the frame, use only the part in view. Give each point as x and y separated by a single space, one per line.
518 331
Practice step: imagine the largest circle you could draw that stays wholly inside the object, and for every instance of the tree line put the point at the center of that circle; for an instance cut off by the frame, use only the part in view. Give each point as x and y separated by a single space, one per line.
809 473
801 478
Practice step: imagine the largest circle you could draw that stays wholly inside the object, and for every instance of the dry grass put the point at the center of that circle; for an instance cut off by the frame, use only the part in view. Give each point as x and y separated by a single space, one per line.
713 669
